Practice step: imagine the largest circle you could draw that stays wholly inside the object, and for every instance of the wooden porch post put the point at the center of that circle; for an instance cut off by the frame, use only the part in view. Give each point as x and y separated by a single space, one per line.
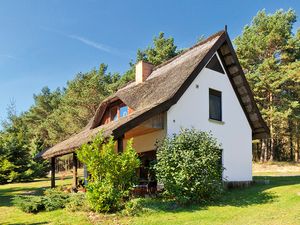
85 174
75 179
120 144
53 172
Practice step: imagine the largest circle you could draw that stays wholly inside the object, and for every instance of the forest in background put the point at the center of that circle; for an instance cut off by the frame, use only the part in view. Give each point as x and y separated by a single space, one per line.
269 54
268 51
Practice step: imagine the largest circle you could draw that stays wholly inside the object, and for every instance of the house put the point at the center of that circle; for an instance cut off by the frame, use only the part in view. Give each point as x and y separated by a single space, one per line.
203 87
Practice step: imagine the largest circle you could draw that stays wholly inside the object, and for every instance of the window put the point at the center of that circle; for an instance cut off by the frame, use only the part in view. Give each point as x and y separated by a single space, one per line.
215 105
214 64
114 114
123 111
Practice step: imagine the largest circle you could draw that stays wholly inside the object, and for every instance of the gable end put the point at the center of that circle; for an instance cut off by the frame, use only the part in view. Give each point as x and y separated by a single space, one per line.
214 64
242 89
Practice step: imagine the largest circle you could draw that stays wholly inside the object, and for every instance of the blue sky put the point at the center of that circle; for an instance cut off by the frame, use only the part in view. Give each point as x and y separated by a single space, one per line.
45 43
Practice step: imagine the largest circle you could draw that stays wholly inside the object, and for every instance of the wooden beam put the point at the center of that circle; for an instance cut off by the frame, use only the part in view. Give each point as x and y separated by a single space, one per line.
53 172
227 54
75 178
120 144
137 131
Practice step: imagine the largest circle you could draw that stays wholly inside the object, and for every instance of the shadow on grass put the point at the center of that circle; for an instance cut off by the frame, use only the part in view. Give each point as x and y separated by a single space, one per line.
7 194
254 195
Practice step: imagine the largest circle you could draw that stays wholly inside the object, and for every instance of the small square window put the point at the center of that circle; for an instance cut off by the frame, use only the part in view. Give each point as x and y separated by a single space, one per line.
215 105
123 111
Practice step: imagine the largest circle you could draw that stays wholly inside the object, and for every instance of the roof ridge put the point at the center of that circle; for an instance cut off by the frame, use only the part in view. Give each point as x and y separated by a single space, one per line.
219 33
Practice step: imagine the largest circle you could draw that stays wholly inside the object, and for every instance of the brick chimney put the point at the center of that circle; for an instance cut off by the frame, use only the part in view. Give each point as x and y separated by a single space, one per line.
142 71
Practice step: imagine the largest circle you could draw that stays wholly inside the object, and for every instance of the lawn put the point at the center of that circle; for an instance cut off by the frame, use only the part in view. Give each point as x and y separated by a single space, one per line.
13 216
277 202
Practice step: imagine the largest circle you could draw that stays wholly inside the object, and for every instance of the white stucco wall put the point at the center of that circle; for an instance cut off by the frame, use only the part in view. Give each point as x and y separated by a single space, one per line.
235 135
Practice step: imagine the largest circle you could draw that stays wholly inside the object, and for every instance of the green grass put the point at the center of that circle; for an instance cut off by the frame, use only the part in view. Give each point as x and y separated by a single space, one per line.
267 204
10 215
275 203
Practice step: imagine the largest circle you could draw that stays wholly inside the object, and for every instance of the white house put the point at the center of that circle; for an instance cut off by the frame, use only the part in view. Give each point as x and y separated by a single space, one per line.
204 87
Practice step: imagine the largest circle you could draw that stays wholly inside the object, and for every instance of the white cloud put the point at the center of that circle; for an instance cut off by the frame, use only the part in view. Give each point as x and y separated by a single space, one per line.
93 44
85 41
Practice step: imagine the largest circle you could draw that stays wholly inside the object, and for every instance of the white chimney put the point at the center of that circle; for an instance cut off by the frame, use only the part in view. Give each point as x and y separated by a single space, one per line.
142 71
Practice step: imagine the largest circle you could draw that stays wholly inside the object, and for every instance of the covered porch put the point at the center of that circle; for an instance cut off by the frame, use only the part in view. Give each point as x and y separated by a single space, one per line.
145 137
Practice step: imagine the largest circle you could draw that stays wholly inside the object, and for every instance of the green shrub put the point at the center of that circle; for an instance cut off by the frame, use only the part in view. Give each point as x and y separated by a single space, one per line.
55 199
104 197
112 174
133 207
189 166
77 202
29 203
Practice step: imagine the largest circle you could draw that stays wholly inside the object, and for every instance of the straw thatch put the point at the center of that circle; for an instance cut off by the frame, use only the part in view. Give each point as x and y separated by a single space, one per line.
86 135
163 88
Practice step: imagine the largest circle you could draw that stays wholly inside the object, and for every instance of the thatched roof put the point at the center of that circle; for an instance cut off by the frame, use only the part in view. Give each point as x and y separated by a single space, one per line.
72 143
163 88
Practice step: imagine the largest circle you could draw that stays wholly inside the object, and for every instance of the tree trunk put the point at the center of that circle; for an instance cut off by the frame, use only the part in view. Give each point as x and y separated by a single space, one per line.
297 143
271 132
291 141
264 150
272 150
261 151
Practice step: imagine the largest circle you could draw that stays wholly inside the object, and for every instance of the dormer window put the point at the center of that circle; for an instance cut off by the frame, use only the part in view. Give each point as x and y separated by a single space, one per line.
123 111
115 111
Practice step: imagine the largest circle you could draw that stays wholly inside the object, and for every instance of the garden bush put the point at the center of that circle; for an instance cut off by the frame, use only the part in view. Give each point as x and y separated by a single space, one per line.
133 207
112 174
55 199
77 202
29 203
189 165
51 200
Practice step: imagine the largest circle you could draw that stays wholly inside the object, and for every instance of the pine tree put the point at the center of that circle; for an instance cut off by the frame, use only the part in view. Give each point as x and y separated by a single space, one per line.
162 50
266 50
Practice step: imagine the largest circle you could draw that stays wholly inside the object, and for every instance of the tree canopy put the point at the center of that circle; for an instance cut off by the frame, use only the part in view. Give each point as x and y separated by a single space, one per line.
163 49
269 53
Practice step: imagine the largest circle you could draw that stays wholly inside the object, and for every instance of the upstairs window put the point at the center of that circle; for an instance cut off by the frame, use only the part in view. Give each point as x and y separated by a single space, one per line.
123 111
215 105
115 112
